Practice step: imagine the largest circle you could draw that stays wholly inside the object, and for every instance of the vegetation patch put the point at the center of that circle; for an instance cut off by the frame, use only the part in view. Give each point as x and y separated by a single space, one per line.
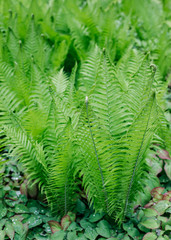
85 119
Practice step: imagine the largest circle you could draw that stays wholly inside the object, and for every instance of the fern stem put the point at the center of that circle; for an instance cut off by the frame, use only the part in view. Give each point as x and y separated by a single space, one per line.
66 196
100 169
136 163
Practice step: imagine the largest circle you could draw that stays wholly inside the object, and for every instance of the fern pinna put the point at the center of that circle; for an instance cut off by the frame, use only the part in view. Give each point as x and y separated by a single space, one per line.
94 119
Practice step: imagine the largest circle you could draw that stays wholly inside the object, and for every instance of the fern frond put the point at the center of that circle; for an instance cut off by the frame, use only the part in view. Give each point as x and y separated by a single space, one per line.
87 159
8 105
32 42
39 97
136 79
30 154
111 112
13 43
6 72
132 156
89 70
60 82
61 183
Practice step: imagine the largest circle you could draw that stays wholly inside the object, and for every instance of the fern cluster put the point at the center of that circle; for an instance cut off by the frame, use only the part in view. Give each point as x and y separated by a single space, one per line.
79 98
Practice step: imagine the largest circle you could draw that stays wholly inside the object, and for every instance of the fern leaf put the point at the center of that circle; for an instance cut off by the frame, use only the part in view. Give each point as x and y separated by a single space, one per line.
31 155
61 183
89 70
133 156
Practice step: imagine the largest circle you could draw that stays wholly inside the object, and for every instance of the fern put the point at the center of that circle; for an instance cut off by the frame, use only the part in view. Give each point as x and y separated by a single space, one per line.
110 132
50 62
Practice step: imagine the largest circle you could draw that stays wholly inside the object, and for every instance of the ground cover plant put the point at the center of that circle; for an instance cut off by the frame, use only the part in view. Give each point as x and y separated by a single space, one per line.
82 105
28 214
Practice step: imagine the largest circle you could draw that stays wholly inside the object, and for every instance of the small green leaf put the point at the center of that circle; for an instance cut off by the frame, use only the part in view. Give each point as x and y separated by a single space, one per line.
150 236
2 193
84 224
3 211
34 210
157 192
81 237
74 226
103 229
72 216
133 232
33 221
2 223
81 207
96 217
90 233
168 228
150 212
166 237
127 226
65 222
55 226
167 168
151 223
156 165
2 234
149 204
18 227
120 236
47 228
9 230
142 228
21 208
163 219
127 237
140 215
167 196
59 235
71 236
11 203
161 238
161 206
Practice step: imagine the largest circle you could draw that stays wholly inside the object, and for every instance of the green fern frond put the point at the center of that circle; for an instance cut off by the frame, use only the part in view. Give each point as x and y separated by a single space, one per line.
89 70
30 154
39 97
60 82
61 183
133 156
8 106
13 43
106 101
6 72
87 159
32 40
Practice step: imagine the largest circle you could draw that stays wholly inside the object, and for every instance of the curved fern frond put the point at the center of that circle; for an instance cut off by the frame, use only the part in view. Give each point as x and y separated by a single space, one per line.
89 70
30 154
87 159
133 155
61 183
111 112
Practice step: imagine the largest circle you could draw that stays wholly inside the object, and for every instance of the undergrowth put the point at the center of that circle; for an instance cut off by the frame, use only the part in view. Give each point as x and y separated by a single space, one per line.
82 100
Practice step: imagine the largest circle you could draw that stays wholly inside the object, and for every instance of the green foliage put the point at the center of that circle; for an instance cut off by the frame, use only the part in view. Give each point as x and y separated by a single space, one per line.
53 59
22 217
